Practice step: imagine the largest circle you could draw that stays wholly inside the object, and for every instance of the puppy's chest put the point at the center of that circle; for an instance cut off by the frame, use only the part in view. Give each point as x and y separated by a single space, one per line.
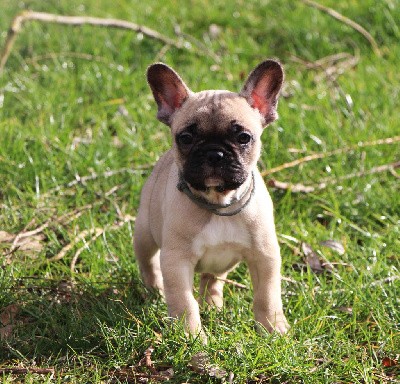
220 244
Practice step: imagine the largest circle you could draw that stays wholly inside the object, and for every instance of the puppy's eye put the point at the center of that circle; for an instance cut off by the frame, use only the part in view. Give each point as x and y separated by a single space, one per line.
185 138
243 138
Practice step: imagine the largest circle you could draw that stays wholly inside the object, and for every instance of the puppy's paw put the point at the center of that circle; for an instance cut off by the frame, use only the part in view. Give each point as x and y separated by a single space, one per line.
281 325
274 323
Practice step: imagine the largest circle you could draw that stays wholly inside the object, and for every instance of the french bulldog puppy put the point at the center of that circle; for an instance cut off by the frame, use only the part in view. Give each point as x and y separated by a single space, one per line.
205 207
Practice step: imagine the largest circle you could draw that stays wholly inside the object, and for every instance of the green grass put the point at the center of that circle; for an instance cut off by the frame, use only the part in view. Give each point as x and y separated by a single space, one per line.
60 118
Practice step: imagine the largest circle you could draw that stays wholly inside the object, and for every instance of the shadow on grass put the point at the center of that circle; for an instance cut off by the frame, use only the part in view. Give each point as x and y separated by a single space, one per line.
57 319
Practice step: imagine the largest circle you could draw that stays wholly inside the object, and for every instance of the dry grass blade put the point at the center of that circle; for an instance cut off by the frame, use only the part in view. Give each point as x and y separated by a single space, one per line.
347 21
311 258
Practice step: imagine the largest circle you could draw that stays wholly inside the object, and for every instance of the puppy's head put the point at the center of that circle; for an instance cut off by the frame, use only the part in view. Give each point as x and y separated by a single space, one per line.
216 133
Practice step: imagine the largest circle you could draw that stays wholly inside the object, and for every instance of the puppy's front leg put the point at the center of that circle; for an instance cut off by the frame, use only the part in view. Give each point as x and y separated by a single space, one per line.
266 277
178 273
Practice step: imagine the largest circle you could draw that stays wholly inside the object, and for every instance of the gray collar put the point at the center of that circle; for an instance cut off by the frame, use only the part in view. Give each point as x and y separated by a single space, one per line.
216 208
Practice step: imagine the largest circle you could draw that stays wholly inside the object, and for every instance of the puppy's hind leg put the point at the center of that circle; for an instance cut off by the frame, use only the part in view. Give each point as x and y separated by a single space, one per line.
148 257
211 289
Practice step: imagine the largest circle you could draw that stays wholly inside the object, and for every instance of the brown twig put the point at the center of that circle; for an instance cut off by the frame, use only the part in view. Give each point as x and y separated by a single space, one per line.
389 279
97 232
132 377
33 232
24 371
338 151
81 236
232 282
198 43
94 233
74 55
289 280
332 66
336 15
63 219
24 16
394 173
296 188
93 176
378 169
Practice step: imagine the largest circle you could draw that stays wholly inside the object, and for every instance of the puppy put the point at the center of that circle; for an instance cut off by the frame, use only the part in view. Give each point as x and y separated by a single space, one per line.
205 207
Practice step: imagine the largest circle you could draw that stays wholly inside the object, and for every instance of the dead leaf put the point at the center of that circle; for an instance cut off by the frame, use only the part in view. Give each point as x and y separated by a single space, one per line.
147 362
6 332
147 356
311 258
31 244
200 363
217 372
8 314
345 310
7 319
6 237
167 373
334 245
388 362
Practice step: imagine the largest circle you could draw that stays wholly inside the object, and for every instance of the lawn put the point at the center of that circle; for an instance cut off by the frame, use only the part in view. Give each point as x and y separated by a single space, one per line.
79 137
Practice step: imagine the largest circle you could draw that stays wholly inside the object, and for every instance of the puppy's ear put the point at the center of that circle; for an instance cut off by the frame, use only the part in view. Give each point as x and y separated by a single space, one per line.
262 87
169 90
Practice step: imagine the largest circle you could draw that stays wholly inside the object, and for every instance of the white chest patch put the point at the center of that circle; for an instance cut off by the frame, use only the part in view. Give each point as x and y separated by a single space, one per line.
220 244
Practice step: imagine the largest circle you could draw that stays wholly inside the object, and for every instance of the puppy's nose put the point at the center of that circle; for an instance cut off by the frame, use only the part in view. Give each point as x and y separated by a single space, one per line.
214 156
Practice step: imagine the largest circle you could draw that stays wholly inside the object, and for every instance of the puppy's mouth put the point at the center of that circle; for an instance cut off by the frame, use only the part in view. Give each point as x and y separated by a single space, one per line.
214 196
215 183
